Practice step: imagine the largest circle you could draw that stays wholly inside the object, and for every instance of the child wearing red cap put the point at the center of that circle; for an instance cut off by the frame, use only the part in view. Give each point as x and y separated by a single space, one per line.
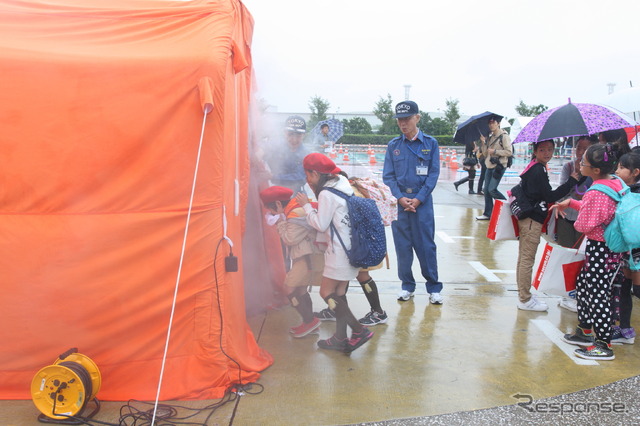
307 260
376 315
321 172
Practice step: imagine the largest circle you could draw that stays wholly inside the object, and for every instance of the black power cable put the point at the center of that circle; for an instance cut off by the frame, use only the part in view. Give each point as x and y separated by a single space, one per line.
167 415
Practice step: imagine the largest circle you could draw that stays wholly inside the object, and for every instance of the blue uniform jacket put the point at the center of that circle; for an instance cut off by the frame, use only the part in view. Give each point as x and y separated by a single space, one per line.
286 165
400 163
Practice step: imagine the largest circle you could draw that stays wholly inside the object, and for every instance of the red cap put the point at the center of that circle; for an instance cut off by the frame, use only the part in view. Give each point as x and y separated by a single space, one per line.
275 193
320 163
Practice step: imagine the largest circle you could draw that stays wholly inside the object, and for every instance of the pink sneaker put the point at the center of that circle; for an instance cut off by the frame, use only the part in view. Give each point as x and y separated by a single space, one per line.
305 328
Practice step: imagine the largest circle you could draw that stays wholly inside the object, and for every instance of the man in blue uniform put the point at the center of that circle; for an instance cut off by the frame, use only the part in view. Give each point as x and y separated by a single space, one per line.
285 159
411 170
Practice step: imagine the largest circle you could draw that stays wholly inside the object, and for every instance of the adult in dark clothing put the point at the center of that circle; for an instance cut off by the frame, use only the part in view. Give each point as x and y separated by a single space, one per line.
483 168
469 157
285 159
537 189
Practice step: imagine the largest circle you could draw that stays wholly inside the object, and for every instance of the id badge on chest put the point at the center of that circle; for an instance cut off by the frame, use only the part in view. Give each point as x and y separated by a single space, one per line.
422 170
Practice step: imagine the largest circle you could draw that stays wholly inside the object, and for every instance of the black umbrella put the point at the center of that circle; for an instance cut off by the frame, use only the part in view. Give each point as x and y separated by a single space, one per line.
475 126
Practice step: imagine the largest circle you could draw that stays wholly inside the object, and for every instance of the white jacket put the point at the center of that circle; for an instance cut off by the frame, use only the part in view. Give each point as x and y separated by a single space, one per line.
333 208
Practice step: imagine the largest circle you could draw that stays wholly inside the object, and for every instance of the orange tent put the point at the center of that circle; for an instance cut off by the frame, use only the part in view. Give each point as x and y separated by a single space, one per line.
107 109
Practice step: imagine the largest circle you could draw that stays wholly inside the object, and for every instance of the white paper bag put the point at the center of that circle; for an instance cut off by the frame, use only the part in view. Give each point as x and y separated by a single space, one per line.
503 225
558 270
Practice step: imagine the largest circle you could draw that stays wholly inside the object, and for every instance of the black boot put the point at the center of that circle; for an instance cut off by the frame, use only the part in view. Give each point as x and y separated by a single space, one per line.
460 182
471 192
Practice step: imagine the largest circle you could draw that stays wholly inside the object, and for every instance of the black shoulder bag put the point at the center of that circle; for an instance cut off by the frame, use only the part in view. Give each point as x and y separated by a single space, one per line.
521 206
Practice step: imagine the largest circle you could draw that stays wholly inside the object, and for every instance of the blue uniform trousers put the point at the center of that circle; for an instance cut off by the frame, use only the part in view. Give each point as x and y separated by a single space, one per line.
416 232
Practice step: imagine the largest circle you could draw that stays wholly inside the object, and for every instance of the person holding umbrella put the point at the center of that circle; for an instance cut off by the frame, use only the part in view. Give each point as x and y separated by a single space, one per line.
496 152
469 134
321 141
411 170
326 133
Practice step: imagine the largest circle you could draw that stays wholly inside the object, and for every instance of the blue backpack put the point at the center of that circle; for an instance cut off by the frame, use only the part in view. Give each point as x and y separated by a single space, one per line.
623 233
368 239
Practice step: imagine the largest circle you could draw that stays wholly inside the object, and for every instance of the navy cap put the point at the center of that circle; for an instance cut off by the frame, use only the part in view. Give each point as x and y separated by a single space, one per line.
295 123
406 109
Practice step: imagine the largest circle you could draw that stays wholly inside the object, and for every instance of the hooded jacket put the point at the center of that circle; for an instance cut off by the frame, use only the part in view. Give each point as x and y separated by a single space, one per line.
536 186
596 210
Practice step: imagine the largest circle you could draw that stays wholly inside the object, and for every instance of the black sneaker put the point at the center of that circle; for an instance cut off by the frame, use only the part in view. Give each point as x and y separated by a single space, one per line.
580 338
325 315
359 339
334 344
374 318
600 351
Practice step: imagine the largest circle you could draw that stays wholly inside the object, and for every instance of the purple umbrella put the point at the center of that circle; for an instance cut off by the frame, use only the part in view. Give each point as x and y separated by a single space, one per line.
573 120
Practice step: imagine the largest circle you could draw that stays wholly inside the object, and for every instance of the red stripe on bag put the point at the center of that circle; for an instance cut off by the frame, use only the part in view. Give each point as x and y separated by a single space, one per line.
493 222
544 260
516 228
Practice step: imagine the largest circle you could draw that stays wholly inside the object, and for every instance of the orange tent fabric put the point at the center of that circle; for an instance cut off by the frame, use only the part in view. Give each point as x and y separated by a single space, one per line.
102 114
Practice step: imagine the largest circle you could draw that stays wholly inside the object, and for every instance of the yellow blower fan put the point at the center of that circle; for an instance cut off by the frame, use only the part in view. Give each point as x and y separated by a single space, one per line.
62 390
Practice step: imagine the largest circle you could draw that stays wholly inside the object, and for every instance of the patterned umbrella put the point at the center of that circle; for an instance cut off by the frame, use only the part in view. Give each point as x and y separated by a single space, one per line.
573 120
336 129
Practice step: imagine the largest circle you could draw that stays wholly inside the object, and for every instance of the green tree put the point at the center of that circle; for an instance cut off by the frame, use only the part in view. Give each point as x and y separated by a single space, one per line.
451 116
319 108
384 112
525 110
425 122
357 126
436 126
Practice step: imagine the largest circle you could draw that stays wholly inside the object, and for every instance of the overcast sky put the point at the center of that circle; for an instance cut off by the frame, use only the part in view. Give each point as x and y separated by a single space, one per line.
488 55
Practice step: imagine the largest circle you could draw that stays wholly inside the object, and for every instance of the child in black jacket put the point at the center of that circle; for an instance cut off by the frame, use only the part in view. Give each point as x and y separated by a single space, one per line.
537 189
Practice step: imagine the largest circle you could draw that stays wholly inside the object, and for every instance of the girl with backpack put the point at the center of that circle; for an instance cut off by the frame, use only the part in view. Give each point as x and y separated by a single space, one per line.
593 286
629 171
387 205
321 172
537 190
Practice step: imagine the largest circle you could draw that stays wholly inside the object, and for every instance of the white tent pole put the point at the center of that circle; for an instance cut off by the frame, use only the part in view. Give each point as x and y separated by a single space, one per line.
175 291
236 183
